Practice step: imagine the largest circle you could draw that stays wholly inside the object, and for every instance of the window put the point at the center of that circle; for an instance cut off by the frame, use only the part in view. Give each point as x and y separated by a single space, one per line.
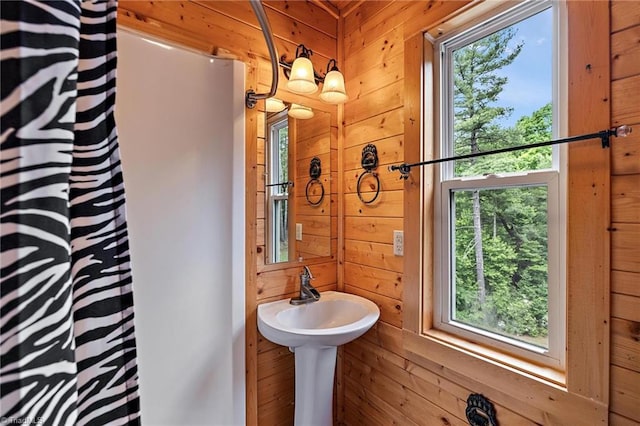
277 188
499 229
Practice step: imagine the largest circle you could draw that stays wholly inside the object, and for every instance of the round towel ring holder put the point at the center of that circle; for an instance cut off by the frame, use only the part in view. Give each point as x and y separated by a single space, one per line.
369 162
315 170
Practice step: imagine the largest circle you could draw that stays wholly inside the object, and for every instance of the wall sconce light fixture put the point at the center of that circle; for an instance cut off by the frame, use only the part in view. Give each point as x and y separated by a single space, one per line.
333 91
300 112
303 79
302 75
274 105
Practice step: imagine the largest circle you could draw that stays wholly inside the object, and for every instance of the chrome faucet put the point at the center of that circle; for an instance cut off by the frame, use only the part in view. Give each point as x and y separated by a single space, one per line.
308 293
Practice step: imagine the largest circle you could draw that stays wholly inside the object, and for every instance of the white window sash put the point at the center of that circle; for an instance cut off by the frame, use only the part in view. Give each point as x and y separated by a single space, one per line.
445 265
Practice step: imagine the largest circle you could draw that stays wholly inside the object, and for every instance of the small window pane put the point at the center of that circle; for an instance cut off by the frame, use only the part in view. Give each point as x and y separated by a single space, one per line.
502 96
281 231
500 277
283 153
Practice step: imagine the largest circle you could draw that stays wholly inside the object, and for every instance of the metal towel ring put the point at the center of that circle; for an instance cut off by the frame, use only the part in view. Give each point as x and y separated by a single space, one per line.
315 170
369 162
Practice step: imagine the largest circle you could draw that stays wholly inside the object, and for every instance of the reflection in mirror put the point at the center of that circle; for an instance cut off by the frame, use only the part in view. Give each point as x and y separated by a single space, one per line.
297 217
277 188
312 211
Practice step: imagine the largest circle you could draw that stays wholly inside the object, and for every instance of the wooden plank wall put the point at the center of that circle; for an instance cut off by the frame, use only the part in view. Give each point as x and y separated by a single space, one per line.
382 386
313 140
625 216
230 28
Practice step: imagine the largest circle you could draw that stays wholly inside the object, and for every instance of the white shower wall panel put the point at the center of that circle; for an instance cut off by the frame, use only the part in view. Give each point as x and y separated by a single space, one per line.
180 118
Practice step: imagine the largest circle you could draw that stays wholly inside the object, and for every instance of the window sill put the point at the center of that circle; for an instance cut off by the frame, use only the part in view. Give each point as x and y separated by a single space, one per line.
490 355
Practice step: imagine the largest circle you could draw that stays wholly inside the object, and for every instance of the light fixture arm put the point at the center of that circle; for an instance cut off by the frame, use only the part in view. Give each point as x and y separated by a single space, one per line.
330 67
303 52
251 97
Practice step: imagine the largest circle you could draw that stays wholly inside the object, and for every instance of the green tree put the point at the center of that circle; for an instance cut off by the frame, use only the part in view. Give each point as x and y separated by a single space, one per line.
537 126
500 234
477 85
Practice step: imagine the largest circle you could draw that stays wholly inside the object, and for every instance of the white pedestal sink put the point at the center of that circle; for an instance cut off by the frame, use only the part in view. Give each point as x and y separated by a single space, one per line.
313 332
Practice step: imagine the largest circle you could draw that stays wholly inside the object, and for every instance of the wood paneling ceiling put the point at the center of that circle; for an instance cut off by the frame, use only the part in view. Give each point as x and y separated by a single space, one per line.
339 7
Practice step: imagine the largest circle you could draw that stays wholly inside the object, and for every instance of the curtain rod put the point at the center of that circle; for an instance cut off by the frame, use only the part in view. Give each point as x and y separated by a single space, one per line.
604 135
251 97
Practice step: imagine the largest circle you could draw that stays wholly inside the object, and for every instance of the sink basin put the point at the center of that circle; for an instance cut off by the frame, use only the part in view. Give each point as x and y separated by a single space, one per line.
313 332
335 319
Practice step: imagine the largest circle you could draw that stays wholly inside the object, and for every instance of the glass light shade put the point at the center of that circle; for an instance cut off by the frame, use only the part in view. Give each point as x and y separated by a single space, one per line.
300 111
274 105
301 77
333 91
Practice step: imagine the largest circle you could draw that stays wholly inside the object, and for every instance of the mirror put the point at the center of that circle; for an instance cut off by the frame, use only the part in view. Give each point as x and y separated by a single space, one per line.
297 196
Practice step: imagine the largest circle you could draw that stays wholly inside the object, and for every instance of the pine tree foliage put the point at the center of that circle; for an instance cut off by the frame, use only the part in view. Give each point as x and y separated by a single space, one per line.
501 254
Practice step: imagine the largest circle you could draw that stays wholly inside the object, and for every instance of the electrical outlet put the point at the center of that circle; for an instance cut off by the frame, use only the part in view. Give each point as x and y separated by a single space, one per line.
398 243
299 231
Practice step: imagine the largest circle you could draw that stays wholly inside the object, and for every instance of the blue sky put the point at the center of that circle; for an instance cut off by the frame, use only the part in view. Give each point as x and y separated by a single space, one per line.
530 74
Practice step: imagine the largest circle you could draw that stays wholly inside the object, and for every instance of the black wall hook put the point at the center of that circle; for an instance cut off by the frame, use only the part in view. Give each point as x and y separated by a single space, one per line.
315 168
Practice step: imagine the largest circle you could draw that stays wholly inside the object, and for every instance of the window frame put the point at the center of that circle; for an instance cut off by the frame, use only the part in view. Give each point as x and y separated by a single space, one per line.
446 181
580 394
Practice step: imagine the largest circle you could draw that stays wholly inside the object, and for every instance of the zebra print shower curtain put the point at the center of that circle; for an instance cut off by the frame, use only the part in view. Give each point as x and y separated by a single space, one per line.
68 353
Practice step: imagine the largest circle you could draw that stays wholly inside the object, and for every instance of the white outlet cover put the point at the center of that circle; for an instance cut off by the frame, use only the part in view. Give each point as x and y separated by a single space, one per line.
398 243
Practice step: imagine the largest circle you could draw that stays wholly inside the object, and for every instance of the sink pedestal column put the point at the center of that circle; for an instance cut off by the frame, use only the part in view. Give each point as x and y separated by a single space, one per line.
315 369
